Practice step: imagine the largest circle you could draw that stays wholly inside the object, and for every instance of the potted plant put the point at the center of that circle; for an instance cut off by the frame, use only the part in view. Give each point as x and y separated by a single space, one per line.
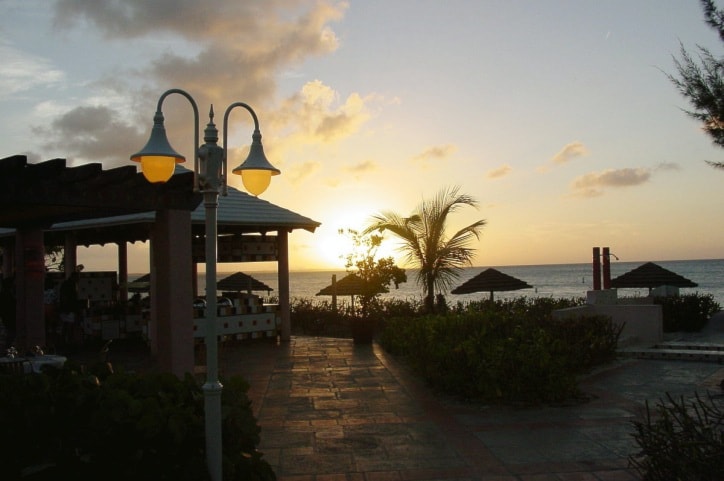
374 277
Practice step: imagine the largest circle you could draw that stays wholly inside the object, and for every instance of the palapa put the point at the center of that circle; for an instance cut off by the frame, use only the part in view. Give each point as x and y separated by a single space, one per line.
350 285
651 275
240 282
491 280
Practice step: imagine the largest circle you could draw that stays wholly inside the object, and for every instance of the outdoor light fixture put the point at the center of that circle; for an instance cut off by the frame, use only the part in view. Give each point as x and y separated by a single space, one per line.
158 161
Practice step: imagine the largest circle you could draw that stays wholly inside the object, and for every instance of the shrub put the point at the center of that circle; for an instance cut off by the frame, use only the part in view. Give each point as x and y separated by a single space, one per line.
688 312
67 425
681 440
503 354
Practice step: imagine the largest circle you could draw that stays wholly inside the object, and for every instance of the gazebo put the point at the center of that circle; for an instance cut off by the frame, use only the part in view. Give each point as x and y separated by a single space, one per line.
52 203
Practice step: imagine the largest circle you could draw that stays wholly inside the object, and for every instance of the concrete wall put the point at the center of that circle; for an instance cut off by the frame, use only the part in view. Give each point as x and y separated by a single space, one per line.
643 323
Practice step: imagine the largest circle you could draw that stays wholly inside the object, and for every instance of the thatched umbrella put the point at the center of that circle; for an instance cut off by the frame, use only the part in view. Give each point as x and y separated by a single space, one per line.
651 275
142 284
239 282
350 285
491 280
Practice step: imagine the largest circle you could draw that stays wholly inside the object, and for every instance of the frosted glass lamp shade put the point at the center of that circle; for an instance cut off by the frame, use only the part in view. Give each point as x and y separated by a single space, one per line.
256 181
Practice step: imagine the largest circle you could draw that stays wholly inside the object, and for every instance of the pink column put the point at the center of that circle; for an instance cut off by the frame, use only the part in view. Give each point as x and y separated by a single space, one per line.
171 289
283 273
29 287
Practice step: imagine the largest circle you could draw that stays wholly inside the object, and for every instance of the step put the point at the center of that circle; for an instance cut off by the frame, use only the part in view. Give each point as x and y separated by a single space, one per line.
690 346
699 355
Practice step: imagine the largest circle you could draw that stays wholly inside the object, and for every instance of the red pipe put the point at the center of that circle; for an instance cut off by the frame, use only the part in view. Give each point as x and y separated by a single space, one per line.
596 268
606 268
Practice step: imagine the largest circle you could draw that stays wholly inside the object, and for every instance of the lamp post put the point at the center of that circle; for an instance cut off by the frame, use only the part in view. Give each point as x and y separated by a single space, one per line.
158 160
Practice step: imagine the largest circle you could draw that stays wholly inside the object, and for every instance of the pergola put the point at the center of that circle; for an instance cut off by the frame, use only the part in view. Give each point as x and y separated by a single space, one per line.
87 205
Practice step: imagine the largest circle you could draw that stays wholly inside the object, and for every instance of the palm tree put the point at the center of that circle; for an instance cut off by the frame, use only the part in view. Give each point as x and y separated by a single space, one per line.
438 257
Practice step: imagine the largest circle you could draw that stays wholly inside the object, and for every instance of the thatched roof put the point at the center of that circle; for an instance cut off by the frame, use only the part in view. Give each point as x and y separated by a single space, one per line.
651 275
491 280
349 285
239 282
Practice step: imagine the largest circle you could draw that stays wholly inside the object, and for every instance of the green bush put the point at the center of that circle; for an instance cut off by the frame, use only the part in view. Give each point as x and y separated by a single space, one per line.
502 354
681 440
688 312
67 425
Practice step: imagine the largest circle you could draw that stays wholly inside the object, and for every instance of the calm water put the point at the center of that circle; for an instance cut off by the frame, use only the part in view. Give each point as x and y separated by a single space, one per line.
561 280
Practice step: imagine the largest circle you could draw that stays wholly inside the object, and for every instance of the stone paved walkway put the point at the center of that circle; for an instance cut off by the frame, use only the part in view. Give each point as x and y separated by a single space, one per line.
331 410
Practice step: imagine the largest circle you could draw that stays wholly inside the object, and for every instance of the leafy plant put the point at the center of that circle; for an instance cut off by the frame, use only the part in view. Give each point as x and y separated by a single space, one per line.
688 312
681 440
377 275
512 352
66 424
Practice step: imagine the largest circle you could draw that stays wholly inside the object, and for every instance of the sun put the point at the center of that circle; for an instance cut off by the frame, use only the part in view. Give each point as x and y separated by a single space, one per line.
333 244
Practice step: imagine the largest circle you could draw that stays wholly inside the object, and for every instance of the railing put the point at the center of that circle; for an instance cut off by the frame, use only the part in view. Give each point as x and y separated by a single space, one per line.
263 322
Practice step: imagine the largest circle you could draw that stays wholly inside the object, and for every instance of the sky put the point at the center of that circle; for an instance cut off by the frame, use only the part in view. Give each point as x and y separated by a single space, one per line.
556 116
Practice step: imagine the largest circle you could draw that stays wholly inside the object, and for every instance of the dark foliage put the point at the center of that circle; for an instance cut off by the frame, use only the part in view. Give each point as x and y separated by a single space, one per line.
503 351
689 312
66 425
681 440
700 80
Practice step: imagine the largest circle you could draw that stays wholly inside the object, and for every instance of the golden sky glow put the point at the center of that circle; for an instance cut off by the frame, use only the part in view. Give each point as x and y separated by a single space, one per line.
556 116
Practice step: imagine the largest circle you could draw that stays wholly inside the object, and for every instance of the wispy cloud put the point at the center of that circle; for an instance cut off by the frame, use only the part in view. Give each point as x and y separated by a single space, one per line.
362 167
91 133
667 166
499 172
434 153
594 183
299 172
20 71
568 153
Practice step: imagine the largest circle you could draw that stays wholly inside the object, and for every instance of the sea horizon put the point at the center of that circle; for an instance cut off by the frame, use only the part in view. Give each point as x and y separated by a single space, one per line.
572 280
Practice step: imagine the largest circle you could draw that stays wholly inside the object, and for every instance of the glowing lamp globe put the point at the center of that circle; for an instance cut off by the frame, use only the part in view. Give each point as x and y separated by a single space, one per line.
256 171
158 159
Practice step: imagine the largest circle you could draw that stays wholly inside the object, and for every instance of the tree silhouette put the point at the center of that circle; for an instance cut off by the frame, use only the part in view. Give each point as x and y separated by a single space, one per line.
424 241
700 79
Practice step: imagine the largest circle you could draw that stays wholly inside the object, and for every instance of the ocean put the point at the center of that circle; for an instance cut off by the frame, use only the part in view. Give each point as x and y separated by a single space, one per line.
557 280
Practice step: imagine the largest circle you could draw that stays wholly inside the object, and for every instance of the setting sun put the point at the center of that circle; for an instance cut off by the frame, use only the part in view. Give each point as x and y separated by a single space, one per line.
333 242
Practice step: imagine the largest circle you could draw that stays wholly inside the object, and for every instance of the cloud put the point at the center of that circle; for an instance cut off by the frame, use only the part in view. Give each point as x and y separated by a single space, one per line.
668 166
92 134
361 168
594 183
21 71
316 114
298 172
434 153
569 152
499 172
220 52
239 47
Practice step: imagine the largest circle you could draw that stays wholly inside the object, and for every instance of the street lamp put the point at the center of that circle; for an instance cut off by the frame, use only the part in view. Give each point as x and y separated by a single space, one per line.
158 160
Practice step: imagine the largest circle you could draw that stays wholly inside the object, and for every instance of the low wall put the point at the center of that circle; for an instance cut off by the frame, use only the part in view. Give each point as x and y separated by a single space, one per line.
643 323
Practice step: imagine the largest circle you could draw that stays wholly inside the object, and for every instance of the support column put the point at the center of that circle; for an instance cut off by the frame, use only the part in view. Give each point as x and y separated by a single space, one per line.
70 254
29 287
283 273
171 307
123 271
